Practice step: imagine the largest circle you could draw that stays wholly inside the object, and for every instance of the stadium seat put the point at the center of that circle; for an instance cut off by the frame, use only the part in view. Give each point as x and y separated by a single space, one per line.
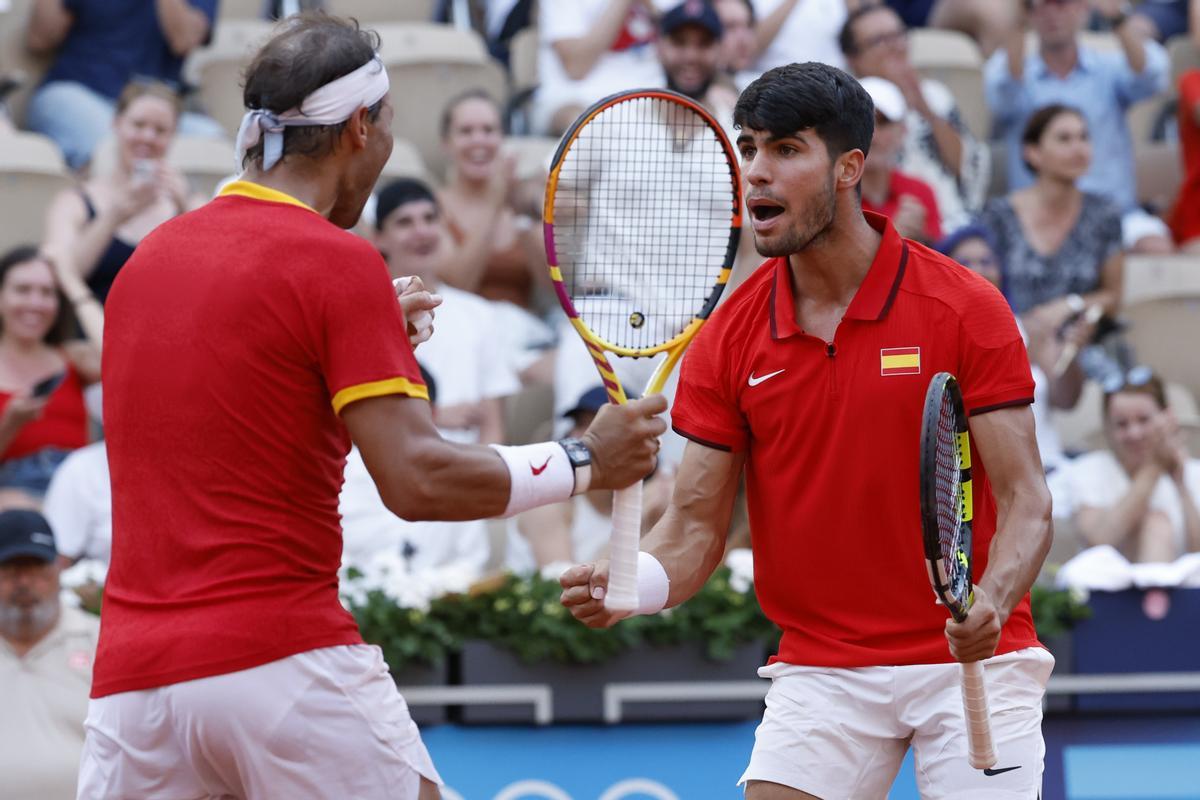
32 171
1154 277
217 70
241 9
16 58
1184 56
523 59
1163 332
372 12
405 162
428 64
954 59
1159 174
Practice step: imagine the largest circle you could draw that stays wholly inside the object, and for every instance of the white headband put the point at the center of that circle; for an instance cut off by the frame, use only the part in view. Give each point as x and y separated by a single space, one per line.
334 102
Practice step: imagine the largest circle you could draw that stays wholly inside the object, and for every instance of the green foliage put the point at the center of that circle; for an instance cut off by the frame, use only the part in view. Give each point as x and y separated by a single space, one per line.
1055 611
524 615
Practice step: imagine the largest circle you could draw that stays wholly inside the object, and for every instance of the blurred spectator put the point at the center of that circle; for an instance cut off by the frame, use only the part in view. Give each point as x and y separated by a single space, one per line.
497 249
1139 496
689 49
1154 19
578 530
41 378
46 653
472 373
1055 385
1103 85
737 41
497 21
98 224
1185 215
102 45
985 21
589 50
791 31
1059 247
885 189
938 149
370 530
79 506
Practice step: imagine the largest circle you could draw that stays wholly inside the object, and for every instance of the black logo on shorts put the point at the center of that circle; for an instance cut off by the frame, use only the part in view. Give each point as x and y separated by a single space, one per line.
1001 771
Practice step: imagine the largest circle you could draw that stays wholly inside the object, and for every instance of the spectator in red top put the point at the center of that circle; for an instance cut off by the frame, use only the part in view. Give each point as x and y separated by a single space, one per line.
886 190
1185 217
41 381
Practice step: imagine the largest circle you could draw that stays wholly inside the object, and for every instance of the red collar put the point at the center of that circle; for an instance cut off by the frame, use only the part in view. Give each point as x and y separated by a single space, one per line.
874 296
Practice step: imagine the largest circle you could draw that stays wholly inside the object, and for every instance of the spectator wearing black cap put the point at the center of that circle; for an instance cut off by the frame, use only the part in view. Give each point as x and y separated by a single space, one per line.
46 653
689 49
579 529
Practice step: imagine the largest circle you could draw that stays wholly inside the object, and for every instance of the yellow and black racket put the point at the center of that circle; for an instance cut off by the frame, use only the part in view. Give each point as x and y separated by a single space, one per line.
946 513
642 217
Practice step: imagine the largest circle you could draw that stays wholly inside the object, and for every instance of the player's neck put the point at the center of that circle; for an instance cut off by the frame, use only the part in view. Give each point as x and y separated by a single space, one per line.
832 267
316 189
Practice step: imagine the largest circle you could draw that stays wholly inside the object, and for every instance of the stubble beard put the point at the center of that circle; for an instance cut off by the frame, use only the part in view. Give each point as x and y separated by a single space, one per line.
814 226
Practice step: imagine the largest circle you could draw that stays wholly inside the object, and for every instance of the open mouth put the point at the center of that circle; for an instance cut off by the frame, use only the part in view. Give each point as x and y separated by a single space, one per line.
763 210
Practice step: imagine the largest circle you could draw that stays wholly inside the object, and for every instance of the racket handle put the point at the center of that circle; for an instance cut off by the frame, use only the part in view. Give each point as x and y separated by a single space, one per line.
622 592
980 750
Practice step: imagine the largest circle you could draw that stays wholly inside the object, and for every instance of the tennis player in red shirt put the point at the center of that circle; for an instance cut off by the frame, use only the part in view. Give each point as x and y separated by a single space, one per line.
246 344
811 377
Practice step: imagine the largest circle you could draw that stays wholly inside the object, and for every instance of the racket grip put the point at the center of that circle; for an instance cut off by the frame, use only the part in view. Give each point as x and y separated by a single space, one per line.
622 594
980 751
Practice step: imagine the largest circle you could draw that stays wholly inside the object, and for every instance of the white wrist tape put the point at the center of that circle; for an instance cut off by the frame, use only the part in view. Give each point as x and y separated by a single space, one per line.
653 584
540 474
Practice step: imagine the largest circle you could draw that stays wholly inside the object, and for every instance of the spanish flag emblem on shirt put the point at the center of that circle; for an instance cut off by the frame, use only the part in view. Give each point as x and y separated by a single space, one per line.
900 361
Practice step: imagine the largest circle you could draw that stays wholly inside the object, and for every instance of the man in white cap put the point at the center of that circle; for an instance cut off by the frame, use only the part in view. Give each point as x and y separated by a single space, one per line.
909 201
246 344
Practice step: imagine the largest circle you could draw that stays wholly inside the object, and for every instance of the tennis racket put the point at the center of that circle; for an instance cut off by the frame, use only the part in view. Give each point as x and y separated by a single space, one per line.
642 218
946 512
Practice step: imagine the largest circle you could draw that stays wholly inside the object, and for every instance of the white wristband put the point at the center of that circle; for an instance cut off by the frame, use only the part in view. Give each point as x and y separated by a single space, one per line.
540 474
653 584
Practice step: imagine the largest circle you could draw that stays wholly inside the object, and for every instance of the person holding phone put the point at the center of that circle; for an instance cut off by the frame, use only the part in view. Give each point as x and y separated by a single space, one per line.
42 378
98 223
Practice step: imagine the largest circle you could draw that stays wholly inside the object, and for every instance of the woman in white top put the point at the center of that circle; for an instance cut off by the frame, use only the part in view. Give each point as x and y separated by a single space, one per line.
1139 496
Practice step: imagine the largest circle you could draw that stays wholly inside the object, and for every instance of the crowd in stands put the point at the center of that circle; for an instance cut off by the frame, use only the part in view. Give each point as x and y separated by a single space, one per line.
1044 201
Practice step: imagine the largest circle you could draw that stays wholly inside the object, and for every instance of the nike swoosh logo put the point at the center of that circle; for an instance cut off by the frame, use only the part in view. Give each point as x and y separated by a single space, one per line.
542 468
1001 771
756 380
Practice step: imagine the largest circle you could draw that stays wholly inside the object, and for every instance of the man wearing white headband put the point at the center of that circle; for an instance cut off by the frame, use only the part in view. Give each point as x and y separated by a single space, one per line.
247 344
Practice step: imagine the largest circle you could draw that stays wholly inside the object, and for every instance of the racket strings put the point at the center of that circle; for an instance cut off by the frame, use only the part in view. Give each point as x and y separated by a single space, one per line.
643 213
950 499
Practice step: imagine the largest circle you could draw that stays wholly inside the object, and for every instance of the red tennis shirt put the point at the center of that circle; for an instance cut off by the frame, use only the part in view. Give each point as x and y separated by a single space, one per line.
832 431
233 337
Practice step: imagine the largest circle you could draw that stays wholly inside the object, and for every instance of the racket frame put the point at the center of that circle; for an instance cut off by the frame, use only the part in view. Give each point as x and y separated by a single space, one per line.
981 751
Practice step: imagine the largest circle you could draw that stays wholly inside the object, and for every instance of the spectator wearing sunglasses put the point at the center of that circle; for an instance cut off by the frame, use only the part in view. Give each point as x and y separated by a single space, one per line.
1139 495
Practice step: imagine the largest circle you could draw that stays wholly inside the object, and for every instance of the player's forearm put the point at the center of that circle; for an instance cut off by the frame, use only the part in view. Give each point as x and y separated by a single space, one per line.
1019 547
689 550
447 482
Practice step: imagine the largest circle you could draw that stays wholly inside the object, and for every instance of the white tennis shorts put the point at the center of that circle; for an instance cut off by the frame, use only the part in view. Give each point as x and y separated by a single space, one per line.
842 733
327 723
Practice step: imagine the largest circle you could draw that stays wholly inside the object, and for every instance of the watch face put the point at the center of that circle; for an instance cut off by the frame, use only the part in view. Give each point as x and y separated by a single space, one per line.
577 452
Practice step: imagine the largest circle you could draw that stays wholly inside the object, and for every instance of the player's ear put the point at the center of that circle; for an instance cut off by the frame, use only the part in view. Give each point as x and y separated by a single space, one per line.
848 170
358 127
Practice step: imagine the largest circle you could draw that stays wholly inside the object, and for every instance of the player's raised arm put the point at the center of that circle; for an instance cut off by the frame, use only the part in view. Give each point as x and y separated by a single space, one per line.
687 542
1007 447
423 477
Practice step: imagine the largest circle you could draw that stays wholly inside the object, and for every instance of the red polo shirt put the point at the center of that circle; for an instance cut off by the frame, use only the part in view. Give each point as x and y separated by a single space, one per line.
233 337
832 430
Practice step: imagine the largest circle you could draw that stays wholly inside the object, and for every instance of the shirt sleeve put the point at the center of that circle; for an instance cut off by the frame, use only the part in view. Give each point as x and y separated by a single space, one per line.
1006 96
363 348
706 409
994 367
1134 86
71 516
558 21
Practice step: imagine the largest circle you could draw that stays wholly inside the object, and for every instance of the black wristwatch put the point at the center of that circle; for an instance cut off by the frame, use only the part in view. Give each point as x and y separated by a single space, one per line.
581 462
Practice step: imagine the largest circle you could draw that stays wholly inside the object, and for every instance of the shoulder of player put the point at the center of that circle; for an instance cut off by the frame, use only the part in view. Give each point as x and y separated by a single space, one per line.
749 297
977 304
